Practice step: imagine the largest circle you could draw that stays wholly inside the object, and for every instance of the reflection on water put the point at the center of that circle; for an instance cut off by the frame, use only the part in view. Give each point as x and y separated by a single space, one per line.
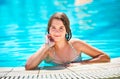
23 26
82 2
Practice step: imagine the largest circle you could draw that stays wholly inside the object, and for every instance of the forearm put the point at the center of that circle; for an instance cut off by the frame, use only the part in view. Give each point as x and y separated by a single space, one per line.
100 59
35 59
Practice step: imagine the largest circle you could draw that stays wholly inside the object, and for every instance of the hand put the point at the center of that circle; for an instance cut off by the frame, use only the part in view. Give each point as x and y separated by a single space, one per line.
73 64
49 41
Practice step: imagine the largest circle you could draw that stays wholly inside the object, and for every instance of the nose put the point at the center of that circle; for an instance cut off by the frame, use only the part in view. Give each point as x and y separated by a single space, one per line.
57 30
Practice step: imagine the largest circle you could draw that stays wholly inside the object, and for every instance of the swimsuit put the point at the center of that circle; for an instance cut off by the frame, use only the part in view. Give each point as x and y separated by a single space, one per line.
48 61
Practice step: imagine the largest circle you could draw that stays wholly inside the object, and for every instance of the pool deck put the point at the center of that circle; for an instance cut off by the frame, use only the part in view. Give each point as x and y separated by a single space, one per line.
109 70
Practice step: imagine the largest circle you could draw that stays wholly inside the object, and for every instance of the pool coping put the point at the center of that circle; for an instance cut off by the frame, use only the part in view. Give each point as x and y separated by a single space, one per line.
92 71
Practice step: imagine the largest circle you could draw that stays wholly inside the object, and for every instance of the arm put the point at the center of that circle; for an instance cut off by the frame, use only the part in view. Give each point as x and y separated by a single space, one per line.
97 55
36 58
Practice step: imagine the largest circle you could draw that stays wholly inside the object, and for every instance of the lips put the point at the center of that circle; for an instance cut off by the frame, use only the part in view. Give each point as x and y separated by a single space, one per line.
57 36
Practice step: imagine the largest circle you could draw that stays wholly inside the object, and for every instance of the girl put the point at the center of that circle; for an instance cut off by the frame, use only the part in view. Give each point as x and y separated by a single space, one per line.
60 49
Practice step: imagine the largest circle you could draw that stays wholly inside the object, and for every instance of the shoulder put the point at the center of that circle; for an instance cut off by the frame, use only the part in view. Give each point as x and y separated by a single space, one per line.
77 43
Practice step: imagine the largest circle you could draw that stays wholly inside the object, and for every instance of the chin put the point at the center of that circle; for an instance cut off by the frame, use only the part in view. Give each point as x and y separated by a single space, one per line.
57 39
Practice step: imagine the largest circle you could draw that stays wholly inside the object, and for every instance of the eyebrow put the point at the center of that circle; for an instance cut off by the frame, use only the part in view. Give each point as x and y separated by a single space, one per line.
54 26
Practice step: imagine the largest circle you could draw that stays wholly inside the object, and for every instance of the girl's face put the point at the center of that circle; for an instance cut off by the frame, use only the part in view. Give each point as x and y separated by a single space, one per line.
57 30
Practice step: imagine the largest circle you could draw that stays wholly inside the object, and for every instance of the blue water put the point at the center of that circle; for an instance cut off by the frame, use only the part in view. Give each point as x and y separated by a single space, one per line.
23 26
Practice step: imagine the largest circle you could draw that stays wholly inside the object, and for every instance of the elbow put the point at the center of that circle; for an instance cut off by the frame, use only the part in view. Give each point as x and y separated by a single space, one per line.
29 67
105 58
29 64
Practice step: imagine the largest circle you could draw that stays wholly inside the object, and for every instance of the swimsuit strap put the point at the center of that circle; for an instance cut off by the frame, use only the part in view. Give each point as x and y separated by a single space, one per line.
73 48
75 52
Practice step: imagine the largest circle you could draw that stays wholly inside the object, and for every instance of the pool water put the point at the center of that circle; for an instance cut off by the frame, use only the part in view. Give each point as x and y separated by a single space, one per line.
23 26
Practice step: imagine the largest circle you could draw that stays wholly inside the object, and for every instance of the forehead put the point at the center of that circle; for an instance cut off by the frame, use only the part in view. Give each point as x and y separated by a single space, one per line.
57 22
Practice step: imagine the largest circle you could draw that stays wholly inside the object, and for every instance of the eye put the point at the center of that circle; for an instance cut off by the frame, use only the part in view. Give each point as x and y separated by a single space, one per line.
62 27
52 27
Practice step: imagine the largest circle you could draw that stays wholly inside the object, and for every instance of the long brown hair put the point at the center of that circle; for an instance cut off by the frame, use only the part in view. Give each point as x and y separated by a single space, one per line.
65 20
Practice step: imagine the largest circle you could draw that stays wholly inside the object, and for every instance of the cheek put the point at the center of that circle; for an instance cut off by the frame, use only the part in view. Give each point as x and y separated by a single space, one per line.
63 34
51 32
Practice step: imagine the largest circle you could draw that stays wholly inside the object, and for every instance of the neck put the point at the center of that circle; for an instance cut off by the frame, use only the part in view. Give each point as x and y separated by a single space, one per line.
61 44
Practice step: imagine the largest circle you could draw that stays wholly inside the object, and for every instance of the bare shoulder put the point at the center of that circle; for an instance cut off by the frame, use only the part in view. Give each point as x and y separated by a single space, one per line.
77 43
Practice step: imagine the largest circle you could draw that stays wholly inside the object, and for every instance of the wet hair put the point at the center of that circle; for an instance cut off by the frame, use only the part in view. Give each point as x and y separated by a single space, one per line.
65 21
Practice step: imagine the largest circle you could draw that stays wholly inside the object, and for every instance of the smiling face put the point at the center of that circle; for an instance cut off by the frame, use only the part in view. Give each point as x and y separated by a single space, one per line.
58 27
57 30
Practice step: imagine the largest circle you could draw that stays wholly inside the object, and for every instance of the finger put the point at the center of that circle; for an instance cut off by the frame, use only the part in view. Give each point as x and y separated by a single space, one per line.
47 40
50 38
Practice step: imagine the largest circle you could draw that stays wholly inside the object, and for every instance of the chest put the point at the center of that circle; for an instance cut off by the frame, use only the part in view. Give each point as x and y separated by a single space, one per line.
63 56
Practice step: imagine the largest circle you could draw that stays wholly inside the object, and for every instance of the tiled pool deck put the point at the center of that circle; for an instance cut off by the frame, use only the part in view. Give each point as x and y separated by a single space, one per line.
91 71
